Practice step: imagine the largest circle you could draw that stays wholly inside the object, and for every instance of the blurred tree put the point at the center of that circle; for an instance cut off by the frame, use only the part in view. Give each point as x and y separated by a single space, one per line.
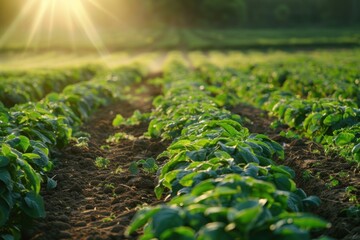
217 13
282 13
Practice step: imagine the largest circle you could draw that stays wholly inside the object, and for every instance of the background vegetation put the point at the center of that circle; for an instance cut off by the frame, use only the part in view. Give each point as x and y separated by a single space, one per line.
220 13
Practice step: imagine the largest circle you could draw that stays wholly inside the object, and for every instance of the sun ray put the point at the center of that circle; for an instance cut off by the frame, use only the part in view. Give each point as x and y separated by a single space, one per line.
104 10
71 28
22 15
37 22
88 27
46 19
51 22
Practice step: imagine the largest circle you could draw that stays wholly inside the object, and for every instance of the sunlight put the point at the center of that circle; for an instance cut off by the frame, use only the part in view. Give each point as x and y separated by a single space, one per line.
54 16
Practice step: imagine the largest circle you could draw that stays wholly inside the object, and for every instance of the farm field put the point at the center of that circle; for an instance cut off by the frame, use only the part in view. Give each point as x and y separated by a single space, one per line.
191 144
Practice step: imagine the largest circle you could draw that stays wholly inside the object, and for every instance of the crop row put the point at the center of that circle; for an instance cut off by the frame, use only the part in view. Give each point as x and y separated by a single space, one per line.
330 121
28 133
20 86
222 180
312 78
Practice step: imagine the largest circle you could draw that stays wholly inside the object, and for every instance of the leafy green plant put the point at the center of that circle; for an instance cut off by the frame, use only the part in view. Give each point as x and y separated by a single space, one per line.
31 130
119 136
102 162
222 180
148 165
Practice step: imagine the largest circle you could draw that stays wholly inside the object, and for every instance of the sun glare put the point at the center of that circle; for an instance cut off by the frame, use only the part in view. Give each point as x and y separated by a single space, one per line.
49 16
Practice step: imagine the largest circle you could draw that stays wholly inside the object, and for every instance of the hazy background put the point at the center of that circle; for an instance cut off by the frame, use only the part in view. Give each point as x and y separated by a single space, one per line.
214 13
134 23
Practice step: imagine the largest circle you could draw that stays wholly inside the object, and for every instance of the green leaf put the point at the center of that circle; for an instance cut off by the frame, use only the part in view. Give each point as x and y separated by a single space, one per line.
24 143
5 177
312 201
214 231
356 149
4 161
307 221
284 183
332 119
50 183
140 219
32 176
33 205
202 187
179 233
247 214
7 237
118 120
199 155
230 129
134 169
4 212
165 219
344 138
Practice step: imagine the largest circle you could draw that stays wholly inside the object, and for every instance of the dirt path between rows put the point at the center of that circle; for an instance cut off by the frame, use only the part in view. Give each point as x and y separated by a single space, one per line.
314 169
94 203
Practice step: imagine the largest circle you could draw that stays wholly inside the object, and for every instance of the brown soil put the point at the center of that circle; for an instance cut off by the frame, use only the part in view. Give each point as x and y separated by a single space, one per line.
313 171
93 203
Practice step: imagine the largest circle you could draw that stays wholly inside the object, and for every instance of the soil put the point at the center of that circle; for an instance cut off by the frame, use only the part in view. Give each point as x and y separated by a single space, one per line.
313 172
94 203
99 203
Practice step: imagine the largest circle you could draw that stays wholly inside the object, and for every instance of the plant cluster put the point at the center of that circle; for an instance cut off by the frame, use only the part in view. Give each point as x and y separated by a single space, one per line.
222 180
329 115
28 133
20 87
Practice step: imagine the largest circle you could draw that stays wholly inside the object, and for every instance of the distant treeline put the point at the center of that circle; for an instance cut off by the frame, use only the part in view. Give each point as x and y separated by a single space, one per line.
250 13
218 13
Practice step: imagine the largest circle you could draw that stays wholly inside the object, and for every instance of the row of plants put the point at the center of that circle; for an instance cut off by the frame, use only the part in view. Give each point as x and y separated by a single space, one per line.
18 87
28 134
221 180
330 121
310 78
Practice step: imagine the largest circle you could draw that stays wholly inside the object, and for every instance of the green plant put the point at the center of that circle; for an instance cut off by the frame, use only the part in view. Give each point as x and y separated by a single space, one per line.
119 136
101 162
148 165
221 179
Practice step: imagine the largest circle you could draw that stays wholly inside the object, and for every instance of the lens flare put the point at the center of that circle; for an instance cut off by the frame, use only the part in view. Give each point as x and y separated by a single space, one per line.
51 15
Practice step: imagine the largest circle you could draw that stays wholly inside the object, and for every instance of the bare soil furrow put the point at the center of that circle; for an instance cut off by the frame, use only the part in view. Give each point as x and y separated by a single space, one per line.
99 203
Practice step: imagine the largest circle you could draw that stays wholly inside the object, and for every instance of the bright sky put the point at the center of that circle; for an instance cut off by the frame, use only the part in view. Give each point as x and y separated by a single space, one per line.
47 17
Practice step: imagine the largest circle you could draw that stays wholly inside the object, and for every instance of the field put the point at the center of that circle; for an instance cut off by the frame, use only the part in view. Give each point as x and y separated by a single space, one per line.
194 144
191 144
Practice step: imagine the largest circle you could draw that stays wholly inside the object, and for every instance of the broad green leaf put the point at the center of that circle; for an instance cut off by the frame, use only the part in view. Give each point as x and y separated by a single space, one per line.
4 212
33 205
5 177
344 138
50 183
134 169
7 237
202 187
217 214
284 183
312 201
4 161
140 219
307 221
165 219
214 231
199 155
24 143
179 233
32 176
356 149
332 119
118 120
